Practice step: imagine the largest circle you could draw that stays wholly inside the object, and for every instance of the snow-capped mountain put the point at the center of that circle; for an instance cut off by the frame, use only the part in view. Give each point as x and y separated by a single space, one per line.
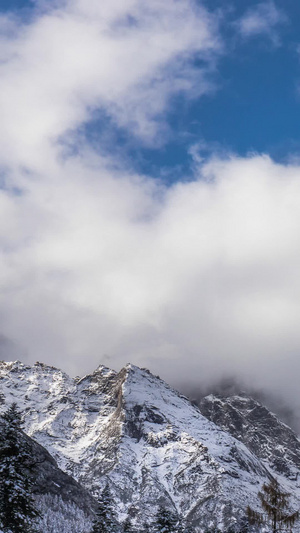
49 479
260 430
64 505
151 443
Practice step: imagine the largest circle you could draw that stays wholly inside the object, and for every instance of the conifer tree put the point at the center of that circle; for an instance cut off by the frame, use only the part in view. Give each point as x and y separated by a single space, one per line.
244 525
13 416
127 526
146 528
166 521
105 520
276 513
17 508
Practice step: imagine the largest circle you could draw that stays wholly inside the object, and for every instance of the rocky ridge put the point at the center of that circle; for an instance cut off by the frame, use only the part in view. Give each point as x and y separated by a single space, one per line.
152 445
57 495
261 431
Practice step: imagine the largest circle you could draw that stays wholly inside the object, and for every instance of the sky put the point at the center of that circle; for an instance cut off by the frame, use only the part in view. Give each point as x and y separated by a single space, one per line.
150 188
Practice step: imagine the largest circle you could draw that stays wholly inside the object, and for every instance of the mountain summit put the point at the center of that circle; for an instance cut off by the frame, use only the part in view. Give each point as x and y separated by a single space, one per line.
151 444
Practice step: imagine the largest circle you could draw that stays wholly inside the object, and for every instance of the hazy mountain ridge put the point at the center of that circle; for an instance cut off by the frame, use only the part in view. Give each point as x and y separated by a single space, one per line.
254 425
150 442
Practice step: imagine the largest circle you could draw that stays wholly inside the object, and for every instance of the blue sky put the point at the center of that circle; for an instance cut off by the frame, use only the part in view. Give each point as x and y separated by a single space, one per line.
254 106
149 199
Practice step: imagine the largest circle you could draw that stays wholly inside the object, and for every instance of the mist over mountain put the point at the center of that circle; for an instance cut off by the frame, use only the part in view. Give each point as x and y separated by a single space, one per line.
231 386
145 212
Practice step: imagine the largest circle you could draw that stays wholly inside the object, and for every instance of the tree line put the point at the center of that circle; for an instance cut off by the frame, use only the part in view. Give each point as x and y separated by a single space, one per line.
275 517
18 512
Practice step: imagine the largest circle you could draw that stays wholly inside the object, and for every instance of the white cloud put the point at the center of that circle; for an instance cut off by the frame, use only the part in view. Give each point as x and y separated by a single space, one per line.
195 280
68 218
127 58
262 19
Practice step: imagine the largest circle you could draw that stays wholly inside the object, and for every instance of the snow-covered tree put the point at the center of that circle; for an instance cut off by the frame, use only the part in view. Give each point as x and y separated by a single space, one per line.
105 520
166 521
13 416
58 516
127 525
17 509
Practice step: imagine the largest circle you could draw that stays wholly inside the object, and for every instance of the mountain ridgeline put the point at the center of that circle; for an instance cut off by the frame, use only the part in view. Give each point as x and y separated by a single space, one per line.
132 433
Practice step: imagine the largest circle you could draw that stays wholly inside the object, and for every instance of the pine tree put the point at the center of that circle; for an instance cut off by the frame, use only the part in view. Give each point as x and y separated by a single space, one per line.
127 526
2 398
17 509
166 521
13 416
275 504
146 528
244 525
105 520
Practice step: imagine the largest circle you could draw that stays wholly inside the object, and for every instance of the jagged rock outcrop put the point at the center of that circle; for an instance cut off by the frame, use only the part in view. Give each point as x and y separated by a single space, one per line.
260 430
151 443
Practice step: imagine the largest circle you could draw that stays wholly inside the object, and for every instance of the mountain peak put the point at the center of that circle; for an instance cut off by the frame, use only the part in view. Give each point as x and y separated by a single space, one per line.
259 429
151 444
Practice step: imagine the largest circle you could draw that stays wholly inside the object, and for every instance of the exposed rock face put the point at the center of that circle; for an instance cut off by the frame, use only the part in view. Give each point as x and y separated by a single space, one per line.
48 479
150 442
259 429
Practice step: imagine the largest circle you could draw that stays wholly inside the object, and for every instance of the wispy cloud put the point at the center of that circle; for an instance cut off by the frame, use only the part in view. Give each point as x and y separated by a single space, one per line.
263 19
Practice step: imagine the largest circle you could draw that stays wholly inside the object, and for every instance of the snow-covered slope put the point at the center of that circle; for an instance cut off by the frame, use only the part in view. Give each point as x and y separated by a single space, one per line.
260 430
59 498
152 444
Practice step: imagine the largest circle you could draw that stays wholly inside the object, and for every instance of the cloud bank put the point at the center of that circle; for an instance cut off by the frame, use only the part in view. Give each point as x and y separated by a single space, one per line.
100 264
